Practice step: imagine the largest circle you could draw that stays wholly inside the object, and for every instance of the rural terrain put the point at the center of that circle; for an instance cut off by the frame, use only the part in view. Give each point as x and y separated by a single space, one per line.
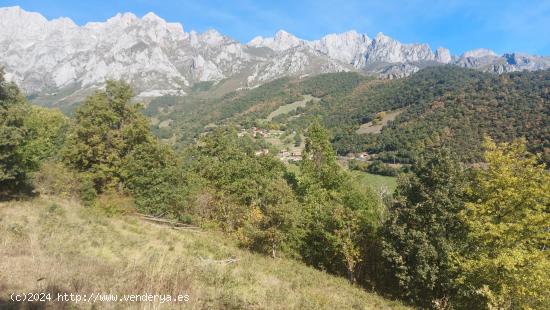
347 172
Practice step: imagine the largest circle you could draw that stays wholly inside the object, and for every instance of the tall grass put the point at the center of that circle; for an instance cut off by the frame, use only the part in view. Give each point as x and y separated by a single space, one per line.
57 246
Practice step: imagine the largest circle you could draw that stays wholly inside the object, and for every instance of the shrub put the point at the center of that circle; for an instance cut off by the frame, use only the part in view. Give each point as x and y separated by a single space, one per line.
358 165
153 175
378 167
55 179
113 203
87 191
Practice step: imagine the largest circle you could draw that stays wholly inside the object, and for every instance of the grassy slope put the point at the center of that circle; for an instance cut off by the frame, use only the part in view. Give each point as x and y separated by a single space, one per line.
371 128
80 250
284 109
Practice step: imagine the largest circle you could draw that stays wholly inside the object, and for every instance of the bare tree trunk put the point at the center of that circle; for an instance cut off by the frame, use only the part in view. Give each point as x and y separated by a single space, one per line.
351 276
273 254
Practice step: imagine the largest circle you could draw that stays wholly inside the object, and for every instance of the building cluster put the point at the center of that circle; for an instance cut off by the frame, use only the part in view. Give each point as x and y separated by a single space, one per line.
286 155
260 133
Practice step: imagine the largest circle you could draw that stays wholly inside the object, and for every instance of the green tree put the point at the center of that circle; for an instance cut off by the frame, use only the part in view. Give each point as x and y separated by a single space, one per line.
46 131
244 193
424 228
233 175
507 264
297 139
272 226
14 167
339 219
319 167
154 176
107 128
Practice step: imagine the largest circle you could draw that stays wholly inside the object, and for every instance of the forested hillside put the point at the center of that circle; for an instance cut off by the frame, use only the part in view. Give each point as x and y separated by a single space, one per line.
457 108
442 105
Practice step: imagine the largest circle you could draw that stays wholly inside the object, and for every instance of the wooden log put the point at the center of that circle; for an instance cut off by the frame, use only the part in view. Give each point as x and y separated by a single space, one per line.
172 223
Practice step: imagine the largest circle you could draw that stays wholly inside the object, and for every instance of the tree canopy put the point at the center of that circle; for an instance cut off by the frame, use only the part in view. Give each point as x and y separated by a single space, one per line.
507 263
14 167
107 129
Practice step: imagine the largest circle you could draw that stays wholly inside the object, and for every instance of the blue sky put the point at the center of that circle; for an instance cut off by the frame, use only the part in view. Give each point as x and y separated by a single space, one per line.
459 25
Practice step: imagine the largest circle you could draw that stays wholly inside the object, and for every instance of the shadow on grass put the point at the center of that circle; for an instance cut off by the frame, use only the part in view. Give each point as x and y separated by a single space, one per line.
50 290
21 192
13 305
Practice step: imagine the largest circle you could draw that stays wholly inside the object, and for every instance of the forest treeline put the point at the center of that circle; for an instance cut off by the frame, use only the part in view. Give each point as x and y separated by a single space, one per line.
452 235
442 105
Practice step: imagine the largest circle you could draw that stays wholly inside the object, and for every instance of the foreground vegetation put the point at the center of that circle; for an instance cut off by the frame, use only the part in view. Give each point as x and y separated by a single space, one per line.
452 235
77 249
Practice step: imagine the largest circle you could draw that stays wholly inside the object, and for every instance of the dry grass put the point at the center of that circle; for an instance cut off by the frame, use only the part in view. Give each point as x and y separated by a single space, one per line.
370 127
284 109
51 245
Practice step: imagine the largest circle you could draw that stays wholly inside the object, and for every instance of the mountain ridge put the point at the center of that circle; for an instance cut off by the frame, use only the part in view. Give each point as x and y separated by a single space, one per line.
47 57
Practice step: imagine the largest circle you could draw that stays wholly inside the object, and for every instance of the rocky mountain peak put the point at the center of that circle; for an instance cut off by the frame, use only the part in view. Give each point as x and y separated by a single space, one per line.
280 42
152 17
213 37
478 53
382 38
443 55
158 57
345 47
124 19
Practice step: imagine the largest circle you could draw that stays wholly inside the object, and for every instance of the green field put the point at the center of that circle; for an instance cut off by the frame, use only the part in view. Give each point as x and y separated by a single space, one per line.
376 181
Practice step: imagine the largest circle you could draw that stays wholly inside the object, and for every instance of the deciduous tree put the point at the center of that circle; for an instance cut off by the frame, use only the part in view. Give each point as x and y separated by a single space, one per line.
424 228
107 128
507 265
14 167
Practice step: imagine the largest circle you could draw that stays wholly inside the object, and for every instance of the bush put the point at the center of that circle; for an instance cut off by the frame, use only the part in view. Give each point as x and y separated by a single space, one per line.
358 165
113 203
55 179
153 175
87 191
378 167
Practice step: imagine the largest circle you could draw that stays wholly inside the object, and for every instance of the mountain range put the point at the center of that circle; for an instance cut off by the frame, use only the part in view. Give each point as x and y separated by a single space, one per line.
58 59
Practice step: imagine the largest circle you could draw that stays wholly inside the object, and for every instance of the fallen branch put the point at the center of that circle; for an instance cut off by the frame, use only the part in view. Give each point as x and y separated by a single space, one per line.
222 261
174 224
193 229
